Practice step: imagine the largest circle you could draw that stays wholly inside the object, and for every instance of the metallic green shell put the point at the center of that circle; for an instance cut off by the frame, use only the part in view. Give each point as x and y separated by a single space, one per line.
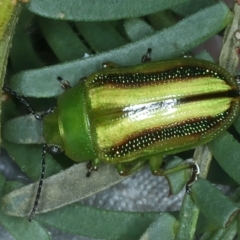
163 107
122 114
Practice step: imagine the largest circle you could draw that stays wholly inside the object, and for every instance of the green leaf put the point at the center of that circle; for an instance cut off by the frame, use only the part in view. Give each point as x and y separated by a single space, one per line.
19 228
93 10
164 227
162 19
100 36
9 12
74 182
22 45
227 233
43 83
178 179
237 124
24 130
204 55
189 212
187 219
236 195
221 177
226 150
229 57
137 28
210 203
29 158
191 7
59 36
98 223
238 226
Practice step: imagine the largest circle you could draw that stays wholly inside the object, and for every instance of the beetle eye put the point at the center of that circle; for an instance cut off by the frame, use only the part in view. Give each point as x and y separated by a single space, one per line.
54 149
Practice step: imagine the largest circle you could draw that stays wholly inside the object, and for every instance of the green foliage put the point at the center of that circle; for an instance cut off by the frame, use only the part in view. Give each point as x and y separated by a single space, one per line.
58 35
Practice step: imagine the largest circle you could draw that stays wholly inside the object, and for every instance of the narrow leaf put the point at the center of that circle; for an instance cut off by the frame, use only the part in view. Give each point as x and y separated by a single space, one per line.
189 212
137 28
190 7
163 19
29 158
9 12
74 182
24 130
19 228
98 223
101 36
178 179
229 58
204 55
187 219
215 205
226 233
226 150
98 10
237 124
22 45
180 38
22 229
59 36
162 228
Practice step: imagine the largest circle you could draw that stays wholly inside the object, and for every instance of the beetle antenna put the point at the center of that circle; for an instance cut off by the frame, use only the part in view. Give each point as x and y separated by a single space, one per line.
21 99
40 184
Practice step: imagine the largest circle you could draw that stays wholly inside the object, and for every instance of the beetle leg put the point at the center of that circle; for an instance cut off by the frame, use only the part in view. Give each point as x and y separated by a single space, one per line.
92 165
157 170
147 57
21 99
125 169
195 173
155 163
64 83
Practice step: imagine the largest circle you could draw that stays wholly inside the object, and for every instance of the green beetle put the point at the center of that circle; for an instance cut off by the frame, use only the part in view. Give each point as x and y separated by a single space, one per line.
123 115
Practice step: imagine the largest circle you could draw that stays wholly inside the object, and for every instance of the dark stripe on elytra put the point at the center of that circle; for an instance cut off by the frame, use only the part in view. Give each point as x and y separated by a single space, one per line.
154 78
194 127
230 94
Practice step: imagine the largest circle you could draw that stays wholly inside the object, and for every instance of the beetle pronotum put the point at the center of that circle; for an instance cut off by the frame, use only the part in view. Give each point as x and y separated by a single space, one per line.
141 113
